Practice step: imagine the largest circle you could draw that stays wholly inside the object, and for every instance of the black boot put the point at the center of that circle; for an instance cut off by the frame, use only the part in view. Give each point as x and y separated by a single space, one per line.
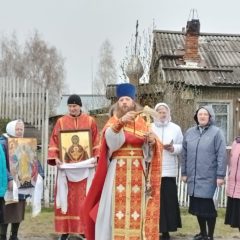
3 231
3 237
14 231
165 236
13 238
82 236
63 237
200 236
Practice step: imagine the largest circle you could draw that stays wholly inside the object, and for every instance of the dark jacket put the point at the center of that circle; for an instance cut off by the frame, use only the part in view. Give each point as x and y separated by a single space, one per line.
203 158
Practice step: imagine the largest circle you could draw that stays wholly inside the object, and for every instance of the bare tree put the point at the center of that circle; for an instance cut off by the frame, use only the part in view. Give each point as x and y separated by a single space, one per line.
35 61
11 64
106 73
45 66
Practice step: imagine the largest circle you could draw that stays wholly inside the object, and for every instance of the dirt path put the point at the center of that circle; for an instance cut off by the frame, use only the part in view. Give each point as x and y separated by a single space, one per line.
76 238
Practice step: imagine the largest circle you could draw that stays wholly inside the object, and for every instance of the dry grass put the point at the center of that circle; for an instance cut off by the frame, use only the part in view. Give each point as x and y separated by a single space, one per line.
43 226
40 226
190 226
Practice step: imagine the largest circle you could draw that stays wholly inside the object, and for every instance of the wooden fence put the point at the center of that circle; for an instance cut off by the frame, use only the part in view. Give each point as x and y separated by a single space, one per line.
182 190
183 198
27 100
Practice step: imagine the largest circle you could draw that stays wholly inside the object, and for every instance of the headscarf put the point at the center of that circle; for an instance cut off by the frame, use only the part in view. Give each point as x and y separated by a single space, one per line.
209 109
168 119
11 127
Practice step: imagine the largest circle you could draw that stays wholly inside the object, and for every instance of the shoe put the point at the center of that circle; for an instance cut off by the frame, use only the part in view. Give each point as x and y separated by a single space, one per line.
82 236
165 236
13 238
63 237
199 236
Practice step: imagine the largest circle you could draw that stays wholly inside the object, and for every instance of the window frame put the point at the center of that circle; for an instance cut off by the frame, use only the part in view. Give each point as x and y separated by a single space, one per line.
229 104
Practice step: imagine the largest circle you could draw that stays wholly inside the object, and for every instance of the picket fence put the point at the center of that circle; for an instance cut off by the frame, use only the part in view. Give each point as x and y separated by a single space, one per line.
182 190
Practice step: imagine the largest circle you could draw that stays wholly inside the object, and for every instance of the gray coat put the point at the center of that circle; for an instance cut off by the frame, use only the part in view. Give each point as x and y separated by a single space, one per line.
203 158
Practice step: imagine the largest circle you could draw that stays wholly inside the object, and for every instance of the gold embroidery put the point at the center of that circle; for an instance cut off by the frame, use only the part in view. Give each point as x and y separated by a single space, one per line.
53 148
67 217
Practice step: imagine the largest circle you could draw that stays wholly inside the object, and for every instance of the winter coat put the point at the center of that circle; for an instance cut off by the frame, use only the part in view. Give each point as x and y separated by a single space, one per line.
203 158
233 183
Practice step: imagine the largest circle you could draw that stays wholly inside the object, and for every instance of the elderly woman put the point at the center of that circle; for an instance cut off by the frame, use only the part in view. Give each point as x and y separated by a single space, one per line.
170 135
13 213
203 168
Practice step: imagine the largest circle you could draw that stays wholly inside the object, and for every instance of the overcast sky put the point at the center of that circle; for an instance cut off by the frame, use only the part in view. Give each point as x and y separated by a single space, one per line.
77 28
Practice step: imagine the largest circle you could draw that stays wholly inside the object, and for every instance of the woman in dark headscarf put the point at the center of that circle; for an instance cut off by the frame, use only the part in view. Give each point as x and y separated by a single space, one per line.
203 168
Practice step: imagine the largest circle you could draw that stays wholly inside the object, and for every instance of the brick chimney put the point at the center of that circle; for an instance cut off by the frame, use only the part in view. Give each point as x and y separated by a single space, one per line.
191 41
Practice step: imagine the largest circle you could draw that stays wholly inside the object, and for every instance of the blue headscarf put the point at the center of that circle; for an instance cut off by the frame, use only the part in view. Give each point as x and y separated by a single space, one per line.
3 173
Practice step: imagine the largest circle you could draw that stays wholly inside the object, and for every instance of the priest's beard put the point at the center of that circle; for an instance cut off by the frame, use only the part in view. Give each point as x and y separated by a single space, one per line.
121 111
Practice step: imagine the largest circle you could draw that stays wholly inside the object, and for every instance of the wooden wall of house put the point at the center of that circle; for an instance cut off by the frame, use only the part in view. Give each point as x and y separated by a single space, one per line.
183 103
227 94
183 106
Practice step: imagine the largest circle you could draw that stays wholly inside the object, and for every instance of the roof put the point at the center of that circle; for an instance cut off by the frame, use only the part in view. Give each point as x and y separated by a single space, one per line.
220 57
89 102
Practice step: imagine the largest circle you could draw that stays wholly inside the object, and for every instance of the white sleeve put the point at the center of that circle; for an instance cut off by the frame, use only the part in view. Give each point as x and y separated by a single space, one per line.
178 142
114 140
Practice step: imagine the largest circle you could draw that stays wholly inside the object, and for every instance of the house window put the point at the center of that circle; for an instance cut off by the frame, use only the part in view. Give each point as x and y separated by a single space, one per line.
223 116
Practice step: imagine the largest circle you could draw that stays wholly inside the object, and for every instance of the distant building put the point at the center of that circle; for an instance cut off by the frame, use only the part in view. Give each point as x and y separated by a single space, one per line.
89 102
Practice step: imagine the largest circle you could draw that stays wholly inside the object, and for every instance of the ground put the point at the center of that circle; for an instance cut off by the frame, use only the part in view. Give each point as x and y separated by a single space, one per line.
42 227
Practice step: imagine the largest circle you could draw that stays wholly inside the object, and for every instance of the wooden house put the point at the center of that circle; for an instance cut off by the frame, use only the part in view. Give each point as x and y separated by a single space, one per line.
189 69
195 69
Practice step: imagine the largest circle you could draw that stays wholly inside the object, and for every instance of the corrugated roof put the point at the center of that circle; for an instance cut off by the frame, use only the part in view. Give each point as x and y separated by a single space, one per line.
220 54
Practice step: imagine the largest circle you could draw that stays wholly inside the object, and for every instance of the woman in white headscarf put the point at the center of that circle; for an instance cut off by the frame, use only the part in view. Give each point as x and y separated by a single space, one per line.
170 135
14 212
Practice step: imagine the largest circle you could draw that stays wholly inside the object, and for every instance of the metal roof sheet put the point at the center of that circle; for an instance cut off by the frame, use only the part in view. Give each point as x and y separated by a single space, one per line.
220 54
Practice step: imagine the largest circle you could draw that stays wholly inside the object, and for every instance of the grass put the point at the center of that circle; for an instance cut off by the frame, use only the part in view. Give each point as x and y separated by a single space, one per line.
190 225
40 226
43 225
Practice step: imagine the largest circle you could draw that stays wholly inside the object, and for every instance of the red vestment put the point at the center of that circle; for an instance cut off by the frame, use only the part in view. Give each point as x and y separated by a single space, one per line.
132 216
71 222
